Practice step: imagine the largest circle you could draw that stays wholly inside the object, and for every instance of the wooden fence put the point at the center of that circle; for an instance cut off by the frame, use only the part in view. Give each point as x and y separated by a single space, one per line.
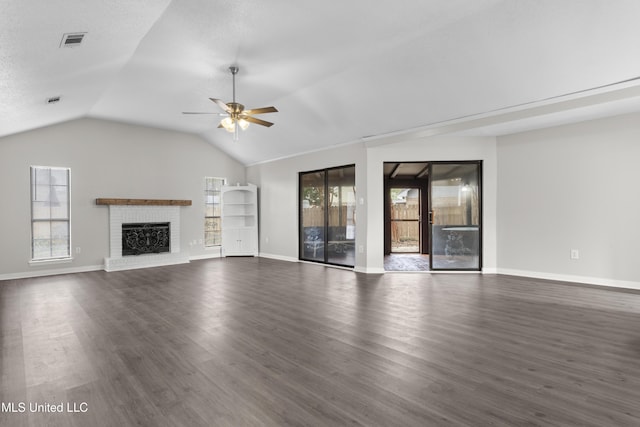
446 212
314 216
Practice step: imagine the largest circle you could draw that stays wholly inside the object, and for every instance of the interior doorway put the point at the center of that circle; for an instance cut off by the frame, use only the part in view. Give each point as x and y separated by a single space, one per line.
406 240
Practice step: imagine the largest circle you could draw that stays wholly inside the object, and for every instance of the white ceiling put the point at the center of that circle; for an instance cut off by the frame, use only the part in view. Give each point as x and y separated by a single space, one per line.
338 71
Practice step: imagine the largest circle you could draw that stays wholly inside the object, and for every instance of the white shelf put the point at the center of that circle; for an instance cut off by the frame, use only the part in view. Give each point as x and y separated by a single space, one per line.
239 220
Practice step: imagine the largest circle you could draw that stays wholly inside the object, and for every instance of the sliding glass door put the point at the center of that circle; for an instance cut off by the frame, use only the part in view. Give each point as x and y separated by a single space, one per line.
455 215
328 216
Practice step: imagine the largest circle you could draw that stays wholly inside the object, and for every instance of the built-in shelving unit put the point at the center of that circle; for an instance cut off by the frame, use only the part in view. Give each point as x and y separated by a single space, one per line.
239 220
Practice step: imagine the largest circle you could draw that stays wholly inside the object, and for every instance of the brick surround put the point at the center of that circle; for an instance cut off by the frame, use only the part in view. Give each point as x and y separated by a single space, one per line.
142 214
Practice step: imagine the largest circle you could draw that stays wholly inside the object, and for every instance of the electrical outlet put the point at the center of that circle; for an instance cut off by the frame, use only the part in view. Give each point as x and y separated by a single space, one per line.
575 254
78 250
361 249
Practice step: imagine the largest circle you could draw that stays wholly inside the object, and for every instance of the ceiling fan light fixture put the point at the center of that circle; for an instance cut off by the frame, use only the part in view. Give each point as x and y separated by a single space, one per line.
228 124
243 124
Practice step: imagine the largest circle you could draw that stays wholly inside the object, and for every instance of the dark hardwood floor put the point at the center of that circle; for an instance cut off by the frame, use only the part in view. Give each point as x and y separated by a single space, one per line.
252 342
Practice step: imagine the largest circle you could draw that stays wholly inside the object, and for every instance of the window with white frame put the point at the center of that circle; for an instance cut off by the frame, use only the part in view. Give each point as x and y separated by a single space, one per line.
212 206
50 216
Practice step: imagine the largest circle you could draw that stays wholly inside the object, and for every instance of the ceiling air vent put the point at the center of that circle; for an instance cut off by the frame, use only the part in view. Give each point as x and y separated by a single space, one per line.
53 99
72 39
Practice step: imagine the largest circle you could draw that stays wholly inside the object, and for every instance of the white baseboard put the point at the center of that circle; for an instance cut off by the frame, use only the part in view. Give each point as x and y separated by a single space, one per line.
54 272
599 281
278 257
205 256
366 270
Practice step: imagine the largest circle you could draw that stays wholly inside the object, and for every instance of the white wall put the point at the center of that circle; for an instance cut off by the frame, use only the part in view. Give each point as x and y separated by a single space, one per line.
278 193
107 159
435 148
571 187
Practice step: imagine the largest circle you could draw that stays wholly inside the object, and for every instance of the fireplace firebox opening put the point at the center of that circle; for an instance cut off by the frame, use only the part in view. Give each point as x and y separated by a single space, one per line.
145 238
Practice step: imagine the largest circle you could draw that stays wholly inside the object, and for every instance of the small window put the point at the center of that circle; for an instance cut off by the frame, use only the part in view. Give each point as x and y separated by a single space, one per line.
212 207
50 216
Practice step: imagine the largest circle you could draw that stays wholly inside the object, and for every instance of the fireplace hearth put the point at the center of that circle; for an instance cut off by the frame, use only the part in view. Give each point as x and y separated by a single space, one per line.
145 238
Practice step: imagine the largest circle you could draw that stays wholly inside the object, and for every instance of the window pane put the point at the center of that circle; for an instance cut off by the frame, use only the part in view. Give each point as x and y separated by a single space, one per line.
59 229
42 176
213 238
212 231
41 210
41 249
59 248
59 177
42 230
212 224
42 193
214 184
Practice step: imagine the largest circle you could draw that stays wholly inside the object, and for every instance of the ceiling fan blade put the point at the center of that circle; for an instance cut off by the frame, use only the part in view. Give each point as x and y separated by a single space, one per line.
221 104
198 112
261 110
256 121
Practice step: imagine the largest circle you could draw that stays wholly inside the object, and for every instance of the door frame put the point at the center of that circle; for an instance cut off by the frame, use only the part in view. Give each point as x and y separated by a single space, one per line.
422 186
325 237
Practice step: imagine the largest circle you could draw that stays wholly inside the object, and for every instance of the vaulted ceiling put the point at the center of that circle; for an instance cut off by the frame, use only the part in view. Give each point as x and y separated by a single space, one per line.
338 71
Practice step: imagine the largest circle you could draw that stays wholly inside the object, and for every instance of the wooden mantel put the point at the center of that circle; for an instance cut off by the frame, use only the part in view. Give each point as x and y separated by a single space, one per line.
143 202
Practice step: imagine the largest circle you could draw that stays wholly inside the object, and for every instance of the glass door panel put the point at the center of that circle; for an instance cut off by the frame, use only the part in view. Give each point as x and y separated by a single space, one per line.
455 213
341 203
312 216
405 220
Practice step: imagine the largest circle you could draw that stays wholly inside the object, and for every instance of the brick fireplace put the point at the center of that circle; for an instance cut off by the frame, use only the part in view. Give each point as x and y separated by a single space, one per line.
143 212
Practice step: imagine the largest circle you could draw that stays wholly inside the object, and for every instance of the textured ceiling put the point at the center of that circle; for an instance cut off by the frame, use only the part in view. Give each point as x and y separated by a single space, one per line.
338 72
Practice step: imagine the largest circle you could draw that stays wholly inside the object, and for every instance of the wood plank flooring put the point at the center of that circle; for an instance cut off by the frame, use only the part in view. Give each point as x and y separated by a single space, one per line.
259 342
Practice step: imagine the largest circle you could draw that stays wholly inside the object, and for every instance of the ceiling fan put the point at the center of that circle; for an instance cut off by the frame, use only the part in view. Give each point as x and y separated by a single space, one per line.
235 116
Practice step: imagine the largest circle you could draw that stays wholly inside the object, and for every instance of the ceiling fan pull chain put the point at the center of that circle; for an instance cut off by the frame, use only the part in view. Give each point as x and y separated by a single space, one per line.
234 71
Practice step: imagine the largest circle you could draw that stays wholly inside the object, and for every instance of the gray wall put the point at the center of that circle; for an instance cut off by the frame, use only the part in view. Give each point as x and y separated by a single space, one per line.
571 187
278 192
545 192
432 148
278 182
107 159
